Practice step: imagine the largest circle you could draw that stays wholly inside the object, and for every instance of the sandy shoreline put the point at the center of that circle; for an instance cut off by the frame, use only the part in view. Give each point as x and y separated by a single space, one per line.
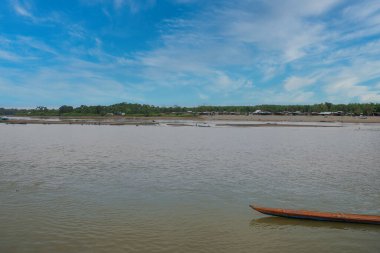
283 118
154 119
218 120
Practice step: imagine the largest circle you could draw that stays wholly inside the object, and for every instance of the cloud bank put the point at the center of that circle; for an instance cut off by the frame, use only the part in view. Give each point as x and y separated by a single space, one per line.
189 52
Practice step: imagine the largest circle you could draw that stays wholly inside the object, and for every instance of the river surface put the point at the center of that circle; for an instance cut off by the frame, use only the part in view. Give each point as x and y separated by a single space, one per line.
72 188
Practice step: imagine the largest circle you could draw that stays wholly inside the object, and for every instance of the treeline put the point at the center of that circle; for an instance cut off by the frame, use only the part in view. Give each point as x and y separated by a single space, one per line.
354 108
150 110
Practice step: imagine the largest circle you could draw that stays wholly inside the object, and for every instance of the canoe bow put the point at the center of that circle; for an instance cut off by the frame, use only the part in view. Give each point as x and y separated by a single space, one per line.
322 216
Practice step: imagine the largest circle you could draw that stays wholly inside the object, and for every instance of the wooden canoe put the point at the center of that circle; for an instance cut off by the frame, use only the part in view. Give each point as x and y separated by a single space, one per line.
321 216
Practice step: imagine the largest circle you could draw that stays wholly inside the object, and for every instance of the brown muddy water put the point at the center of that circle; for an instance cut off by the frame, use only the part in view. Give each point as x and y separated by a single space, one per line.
72 188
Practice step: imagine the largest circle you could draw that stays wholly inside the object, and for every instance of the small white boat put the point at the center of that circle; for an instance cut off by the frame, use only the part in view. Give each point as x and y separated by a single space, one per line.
203 124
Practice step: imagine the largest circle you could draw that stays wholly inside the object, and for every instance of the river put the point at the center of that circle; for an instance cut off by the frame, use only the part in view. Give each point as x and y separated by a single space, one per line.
73 188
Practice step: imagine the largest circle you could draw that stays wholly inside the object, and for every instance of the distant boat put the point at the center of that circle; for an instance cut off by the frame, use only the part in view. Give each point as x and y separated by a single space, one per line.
202 124
321 216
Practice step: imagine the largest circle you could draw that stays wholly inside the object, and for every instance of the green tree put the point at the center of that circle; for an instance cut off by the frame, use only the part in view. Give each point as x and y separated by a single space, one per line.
65 109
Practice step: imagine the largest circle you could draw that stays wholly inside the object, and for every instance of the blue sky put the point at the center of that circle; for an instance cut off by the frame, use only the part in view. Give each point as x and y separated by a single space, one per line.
188 52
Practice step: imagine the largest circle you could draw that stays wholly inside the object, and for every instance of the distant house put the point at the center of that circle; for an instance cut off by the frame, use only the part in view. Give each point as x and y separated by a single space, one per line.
297 113
256 112
325 113
338 113
260 112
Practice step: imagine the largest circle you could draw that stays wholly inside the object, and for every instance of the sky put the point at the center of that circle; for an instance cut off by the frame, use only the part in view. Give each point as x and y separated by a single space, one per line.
188 52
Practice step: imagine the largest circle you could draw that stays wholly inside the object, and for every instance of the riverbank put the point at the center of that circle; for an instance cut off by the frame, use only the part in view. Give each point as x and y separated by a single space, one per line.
206 121
290 118
216 120
227 120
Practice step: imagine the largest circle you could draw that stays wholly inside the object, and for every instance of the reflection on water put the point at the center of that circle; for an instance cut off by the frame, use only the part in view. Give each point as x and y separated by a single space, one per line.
72 188
278 222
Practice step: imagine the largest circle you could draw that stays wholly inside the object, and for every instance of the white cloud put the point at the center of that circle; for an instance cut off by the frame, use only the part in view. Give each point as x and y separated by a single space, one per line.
223 48
348 89
303 97
54 85
259 38
256 39
118 3
22 49
134 6
296 83
353 82
364 11
278 26
9 56
370 97
368 50
357 20
224 83
26 10
271 96
22 10
203 96
185 1
36 44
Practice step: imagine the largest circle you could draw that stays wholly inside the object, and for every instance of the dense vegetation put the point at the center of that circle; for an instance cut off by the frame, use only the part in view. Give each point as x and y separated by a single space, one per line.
150 110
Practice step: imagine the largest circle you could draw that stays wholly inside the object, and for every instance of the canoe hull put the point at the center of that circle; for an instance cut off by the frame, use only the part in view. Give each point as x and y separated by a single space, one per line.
320 216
